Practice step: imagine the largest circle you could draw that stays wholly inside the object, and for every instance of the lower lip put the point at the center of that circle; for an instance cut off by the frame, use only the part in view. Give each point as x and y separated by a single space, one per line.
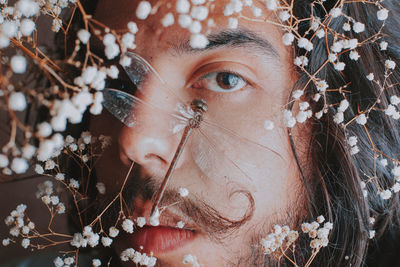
160 239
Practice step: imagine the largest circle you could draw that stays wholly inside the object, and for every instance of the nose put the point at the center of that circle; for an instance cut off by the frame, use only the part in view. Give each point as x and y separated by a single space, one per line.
150 142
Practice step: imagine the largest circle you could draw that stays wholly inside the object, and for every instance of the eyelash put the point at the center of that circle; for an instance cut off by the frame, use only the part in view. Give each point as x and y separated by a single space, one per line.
126 85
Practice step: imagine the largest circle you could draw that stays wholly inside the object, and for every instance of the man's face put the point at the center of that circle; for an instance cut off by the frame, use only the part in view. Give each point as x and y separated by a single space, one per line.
244 77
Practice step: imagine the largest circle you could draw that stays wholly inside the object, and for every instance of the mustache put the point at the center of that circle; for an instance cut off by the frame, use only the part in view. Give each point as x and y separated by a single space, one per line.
206 217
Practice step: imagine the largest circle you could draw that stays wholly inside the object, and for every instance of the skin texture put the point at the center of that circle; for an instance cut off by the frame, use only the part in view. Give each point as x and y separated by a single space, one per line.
267 170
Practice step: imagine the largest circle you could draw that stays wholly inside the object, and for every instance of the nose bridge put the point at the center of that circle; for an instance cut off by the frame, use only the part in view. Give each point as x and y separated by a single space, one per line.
151 141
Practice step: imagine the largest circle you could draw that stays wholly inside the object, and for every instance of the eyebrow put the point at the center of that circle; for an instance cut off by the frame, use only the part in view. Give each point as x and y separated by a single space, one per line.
242 38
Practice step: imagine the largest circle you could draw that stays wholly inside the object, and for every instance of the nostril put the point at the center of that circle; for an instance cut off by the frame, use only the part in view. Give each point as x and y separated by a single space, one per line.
154 157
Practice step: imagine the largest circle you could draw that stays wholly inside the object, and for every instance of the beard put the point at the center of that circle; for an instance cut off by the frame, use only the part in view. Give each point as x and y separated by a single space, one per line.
218 227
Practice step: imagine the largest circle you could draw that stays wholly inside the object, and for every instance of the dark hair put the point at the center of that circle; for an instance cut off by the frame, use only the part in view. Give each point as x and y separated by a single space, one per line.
333 177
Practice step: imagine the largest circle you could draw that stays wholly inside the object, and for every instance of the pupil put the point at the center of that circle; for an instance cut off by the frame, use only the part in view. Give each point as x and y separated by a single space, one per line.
227 80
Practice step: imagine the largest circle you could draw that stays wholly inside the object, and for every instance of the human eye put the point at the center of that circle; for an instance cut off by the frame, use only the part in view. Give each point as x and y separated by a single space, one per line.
221 82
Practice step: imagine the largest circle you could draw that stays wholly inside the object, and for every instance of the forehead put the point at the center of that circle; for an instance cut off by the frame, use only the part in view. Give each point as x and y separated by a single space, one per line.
153 35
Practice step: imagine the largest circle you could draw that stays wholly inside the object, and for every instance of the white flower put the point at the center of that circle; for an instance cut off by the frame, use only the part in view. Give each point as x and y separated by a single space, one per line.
198 41
113 232
335 12
143 10
272 4
256 11
6 242
183 192
19 165
60 208
28 8
132 27
284 15
106 241
195 26
113 72
344 104
290 121
354 150
4 41
352 141
268 125
25 243
301 116
382 14
385 194
337 47
9 28
182 6
168 20
339 66
321 85
371 234
180 224
390 110
297 94
127 225
83 35
396 187
101 188
370 76
93 239
316 97
17 101
27 27
58 262
320 33
390 64
18 64
141 221
184 20
112 51
383 45
383 162
44 129
39 169
358 27
199 12
361 119
354 55
233 23
395 100
305 43
346 27
69 260
338 118
396 171
96 262
74 183
127 254
320 219
288 38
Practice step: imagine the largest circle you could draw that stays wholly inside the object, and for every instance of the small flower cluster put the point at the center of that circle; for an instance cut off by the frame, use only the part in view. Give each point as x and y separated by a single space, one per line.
318 234
88 237
20 226
139 258
45 193
282 237
66 262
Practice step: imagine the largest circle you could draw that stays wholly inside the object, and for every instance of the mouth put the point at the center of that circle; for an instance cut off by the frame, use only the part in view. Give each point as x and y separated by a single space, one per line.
160 239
